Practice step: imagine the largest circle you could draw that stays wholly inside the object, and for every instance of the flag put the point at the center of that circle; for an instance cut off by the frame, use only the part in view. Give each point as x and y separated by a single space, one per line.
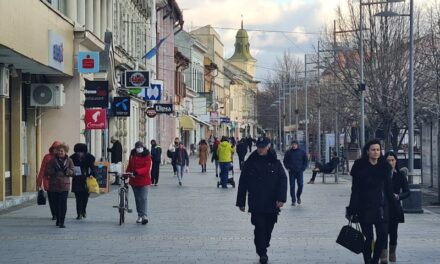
150 54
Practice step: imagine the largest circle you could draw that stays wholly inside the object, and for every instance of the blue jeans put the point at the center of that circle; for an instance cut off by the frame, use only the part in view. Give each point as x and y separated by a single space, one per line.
140 197
298 176
180 171
224 171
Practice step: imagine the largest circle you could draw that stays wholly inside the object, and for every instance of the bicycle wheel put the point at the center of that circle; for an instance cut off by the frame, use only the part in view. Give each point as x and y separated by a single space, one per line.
122 198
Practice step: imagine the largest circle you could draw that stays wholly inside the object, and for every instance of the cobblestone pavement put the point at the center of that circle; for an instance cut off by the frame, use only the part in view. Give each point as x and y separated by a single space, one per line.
198 223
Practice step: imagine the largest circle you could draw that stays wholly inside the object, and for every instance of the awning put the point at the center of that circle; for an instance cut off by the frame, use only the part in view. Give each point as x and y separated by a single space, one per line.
187 122
200 121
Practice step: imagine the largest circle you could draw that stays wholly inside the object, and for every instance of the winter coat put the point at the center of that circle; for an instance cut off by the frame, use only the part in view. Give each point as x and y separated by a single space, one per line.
203 154
241 149
181 157
140 165
371 191
329 167
264 181
87 167
156 153
116 151
249 141
400 187
42 178
224 152
59 171
295 160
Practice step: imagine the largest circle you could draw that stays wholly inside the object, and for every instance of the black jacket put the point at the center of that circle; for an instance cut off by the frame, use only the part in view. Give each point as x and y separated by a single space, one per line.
329 167
264 180
295 160
400 187
116 151
156 153
241 149
180 157
371 191
87 166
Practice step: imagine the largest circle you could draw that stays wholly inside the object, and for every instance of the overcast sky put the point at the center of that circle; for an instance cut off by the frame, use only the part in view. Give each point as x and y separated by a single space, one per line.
304 18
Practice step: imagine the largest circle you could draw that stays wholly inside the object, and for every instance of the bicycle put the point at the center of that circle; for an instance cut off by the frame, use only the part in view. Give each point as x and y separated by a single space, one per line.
123 197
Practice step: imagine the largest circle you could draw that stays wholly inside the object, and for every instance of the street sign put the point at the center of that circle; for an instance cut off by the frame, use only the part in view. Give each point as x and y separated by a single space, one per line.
95 119
150 112
154 91
121 106
163 108
137 79
88 61
96 93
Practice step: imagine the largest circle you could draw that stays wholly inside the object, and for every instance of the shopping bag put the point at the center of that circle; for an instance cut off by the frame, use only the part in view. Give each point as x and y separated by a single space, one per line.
92 185
41 198
351 238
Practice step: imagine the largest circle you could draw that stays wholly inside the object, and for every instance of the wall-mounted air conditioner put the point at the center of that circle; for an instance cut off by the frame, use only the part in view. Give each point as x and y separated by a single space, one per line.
47 95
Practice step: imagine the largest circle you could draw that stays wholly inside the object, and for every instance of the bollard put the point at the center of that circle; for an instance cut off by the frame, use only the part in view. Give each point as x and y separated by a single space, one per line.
413 204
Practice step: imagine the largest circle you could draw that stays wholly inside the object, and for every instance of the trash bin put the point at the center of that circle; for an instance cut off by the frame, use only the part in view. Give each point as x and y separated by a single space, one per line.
413 204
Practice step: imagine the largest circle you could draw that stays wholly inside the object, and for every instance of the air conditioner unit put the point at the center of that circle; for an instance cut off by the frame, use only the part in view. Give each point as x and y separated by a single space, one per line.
47 95
4 81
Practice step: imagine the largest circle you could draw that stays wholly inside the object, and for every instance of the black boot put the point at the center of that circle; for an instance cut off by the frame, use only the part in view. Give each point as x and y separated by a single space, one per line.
79 217
62 223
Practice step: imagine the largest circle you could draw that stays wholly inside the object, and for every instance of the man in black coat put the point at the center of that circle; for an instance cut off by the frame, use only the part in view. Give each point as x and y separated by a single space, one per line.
295 161
116 156
264 180
241 151
156 156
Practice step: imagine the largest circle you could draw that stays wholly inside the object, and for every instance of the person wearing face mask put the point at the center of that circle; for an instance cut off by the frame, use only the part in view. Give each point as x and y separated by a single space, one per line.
84 167
156 155
140 165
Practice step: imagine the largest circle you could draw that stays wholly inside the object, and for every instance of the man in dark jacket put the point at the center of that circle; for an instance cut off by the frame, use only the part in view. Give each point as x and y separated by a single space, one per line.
295 161
326 168
156 156
116 157
264 180
249 141
241 151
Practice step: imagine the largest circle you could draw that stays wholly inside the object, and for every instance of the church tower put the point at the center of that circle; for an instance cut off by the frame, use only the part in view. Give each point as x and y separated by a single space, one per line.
242 57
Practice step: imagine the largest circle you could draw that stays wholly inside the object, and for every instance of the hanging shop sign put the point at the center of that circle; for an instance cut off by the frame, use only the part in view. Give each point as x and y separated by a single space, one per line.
163 108
150 112
121 106
96 93
137 79
153 93
88 61
95 119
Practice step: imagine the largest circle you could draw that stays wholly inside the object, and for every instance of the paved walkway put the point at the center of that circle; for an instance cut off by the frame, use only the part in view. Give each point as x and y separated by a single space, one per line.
198 223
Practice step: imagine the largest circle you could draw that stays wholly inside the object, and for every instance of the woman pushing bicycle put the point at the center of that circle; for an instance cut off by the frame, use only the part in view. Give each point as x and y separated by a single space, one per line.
140 165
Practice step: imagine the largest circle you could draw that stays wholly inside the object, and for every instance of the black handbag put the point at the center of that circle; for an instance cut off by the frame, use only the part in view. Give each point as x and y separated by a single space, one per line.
41 199
351 238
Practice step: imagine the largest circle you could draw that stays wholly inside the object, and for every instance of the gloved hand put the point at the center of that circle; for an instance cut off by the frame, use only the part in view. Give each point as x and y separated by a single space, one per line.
135 173
351 216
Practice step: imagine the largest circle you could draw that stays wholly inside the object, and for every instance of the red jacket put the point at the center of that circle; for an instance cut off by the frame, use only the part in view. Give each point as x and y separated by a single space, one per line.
141 165
42 179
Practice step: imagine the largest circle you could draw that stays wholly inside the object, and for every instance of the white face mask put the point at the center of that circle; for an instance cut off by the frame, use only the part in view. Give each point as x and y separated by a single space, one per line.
139 150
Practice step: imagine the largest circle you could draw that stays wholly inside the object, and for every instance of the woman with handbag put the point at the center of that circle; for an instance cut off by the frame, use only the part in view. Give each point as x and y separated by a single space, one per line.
59 170
140 165
84 167
203 154
371 197
401 191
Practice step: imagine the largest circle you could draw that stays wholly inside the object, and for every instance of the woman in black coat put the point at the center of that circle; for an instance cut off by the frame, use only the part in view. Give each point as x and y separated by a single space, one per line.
84 167
401 191
371 197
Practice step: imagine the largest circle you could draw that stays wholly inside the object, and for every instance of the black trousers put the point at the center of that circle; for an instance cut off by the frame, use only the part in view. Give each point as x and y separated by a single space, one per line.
264 223
392 232
82 198
50 198
60 199
241 160
155 172
381 240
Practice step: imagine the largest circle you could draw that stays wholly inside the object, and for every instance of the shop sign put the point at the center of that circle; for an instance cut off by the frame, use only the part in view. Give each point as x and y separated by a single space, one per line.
88 61
56 51
96 93
153 93
95 119
121 106
150 112
137 79
163 108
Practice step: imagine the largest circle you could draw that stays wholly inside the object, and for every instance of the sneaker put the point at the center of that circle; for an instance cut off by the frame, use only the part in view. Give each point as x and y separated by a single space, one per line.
144 220
264 259
79 217
299 201
180 183
310 182
293 203
84 215
139 220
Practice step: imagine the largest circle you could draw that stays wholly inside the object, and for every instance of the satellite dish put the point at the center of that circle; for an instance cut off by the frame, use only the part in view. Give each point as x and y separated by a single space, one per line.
42 94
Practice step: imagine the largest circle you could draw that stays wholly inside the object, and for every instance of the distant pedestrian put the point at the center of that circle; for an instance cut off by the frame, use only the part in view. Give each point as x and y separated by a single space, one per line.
241 151
214 157
84 163
264 182
401 191
140 165
371 198
181 160
326 168
60 169
295 161
116 158
249 141
211 140
43 178
175 146
203 154
156 156
224 153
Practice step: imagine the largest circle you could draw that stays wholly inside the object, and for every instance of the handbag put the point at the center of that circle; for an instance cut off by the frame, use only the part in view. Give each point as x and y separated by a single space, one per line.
92 185
351 238
41 198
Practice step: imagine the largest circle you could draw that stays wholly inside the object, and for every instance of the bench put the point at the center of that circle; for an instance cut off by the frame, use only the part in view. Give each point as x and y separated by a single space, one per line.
334 173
